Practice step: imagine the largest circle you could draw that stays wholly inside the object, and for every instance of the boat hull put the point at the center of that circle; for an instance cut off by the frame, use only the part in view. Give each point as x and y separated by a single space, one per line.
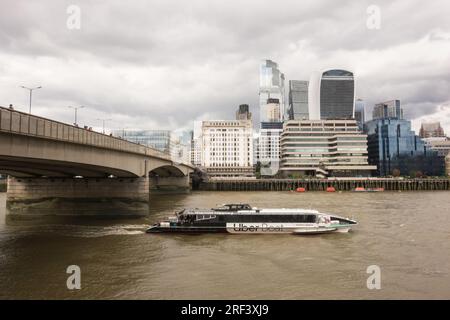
263 228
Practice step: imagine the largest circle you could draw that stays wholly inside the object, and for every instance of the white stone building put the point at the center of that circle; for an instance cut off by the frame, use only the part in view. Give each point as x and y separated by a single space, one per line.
227 148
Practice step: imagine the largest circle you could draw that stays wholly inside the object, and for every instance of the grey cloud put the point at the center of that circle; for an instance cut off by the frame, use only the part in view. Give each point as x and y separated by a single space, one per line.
166 63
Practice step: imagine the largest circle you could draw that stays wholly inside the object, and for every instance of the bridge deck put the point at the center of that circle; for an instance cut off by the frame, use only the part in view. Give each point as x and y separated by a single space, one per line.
17 122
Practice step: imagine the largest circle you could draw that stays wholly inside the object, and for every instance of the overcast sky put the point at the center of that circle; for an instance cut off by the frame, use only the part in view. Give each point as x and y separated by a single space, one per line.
163 64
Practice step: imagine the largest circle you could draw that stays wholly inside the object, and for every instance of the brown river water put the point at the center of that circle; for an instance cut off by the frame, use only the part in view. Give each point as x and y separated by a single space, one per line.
406 234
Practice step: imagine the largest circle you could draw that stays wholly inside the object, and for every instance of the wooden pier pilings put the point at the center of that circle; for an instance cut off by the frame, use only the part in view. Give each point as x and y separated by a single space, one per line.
322 184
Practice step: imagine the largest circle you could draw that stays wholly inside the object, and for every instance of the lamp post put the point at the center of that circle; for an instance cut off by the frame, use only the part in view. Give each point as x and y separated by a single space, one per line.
31 93
76 110
104 120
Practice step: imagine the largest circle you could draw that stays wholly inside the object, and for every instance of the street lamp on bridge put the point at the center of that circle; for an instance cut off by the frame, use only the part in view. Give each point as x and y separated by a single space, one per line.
76 110
31 93
103 121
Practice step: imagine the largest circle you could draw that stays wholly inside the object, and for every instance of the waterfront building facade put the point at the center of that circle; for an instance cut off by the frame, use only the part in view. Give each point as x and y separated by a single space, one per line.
324 148
389 109
393 145
360 113
331 95
298 100
271 86
431 130
227 147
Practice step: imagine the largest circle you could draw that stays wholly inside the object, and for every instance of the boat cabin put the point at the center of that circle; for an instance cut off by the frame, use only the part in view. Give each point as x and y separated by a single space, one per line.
233 207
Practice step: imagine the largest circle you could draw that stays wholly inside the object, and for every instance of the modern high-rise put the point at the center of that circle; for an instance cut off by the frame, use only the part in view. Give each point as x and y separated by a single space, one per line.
360 113
271 86
431 130
390 109
227 148
331 95
324 148
243 112
298 100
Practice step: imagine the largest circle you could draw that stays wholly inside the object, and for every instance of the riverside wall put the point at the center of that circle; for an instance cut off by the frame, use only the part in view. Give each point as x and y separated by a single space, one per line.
322 184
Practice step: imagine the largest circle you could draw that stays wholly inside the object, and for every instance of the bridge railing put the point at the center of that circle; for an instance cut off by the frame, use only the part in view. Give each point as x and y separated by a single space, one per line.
22 123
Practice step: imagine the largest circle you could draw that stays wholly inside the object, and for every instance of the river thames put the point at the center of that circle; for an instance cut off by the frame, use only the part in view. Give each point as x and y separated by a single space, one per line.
406 234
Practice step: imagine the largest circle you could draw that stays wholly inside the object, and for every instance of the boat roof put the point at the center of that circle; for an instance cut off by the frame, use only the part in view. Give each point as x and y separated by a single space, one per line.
252 211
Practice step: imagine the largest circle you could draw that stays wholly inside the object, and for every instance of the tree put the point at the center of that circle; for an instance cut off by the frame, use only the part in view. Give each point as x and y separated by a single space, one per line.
396 173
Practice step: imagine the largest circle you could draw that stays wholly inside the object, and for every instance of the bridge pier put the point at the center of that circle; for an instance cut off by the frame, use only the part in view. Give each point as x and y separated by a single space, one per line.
29 197
164 185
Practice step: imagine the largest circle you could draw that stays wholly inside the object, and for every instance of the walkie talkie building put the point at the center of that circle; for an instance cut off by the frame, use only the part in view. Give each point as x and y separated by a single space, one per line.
332 95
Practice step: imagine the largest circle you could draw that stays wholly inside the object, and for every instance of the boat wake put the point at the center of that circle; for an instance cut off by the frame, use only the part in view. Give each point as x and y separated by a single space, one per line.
81 231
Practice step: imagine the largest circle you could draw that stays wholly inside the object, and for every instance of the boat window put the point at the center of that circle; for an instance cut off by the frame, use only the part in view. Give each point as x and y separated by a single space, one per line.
280 218
205 217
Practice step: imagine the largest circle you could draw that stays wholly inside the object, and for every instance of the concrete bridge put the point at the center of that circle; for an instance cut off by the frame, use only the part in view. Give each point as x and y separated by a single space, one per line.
60 168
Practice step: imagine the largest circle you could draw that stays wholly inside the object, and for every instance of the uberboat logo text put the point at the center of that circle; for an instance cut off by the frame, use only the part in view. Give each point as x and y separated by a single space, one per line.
254 228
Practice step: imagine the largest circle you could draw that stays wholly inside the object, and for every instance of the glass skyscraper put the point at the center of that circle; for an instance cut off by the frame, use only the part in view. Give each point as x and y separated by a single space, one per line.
298 100
271 86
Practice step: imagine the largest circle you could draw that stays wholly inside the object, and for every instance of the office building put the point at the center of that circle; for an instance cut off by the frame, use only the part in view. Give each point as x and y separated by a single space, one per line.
227 148
173 143
393 145
273 110
389 109
360 113
269 151
181 148
298 100
447 165
431 130
331 95
324 148
243 112
196 144
439 144
255 148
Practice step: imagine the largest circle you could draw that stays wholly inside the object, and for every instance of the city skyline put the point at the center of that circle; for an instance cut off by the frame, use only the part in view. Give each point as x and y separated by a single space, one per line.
146 74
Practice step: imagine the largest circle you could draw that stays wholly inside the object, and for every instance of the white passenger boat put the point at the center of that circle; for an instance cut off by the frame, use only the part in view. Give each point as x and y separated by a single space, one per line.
242 218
